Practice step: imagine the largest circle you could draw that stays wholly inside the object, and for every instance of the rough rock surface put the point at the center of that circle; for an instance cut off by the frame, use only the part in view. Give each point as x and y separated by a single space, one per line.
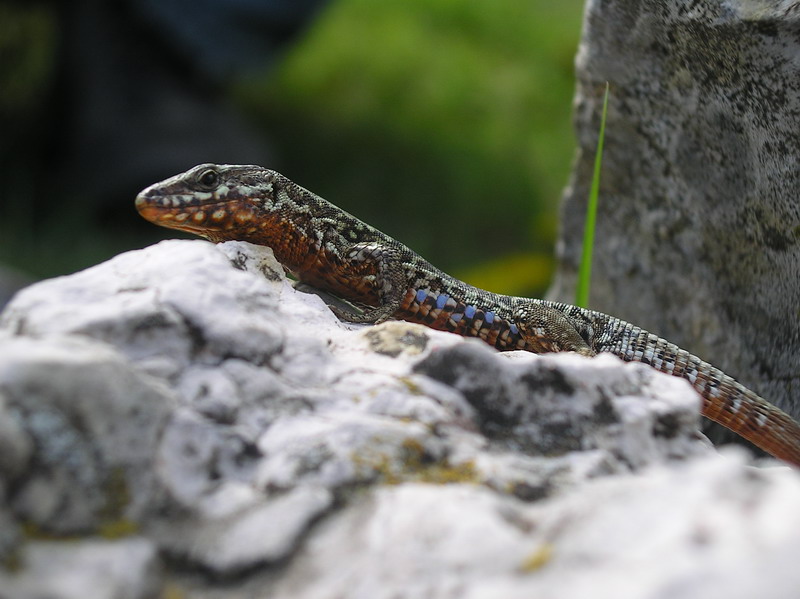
180 421
698 230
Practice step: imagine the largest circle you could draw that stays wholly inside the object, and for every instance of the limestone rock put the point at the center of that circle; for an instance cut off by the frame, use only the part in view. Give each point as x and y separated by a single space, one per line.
698 229
79 434
624 411
184 410
124 569
654 536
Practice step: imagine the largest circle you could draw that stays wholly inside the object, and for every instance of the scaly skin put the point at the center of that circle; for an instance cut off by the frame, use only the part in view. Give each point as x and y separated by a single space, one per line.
332 250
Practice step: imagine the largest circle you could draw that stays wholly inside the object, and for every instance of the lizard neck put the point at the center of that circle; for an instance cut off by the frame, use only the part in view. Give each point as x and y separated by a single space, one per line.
292 241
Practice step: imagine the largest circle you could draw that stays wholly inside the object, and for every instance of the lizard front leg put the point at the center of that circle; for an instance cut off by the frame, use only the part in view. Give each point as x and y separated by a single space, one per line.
385 274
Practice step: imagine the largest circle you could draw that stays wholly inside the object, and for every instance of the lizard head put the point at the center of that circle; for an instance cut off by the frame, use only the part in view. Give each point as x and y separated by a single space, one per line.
218 202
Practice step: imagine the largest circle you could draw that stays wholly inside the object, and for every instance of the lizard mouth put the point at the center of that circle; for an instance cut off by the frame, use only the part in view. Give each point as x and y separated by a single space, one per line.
196 218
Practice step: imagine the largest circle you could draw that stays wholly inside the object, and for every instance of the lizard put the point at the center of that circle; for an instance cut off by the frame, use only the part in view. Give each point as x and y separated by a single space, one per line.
327 248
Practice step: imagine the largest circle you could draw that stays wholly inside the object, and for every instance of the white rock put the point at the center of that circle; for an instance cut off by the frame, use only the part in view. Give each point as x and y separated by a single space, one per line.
262 534
710 528
126 569
260 441
82 426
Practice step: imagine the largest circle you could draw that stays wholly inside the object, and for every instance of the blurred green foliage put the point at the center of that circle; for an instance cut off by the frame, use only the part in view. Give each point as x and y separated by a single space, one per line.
26 52
27 57
445 123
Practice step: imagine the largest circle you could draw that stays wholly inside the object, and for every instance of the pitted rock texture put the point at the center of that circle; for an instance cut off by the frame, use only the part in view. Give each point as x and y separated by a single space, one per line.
180 421
698 228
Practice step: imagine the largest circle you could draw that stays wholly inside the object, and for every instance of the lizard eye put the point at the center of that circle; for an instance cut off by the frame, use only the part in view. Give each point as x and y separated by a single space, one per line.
209 178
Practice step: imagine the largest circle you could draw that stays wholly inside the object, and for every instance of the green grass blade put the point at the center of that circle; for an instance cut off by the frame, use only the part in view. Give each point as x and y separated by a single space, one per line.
585 272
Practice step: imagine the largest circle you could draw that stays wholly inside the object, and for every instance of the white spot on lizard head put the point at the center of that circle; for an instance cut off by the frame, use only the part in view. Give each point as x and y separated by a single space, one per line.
221 192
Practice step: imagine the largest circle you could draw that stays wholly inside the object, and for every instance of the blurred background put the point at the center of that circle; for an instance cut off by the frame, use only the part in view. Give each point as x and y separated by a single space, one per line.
445 123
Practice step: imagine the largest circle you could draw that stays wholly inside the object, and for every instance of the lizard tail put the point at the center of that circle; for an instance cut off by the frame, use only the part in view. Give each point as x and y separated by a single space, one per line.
725 400
739 409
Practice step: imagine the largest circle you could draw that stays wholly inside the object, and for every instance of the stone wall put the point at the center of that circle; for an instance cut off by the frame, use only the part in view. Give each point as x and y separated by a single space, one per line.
699 217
